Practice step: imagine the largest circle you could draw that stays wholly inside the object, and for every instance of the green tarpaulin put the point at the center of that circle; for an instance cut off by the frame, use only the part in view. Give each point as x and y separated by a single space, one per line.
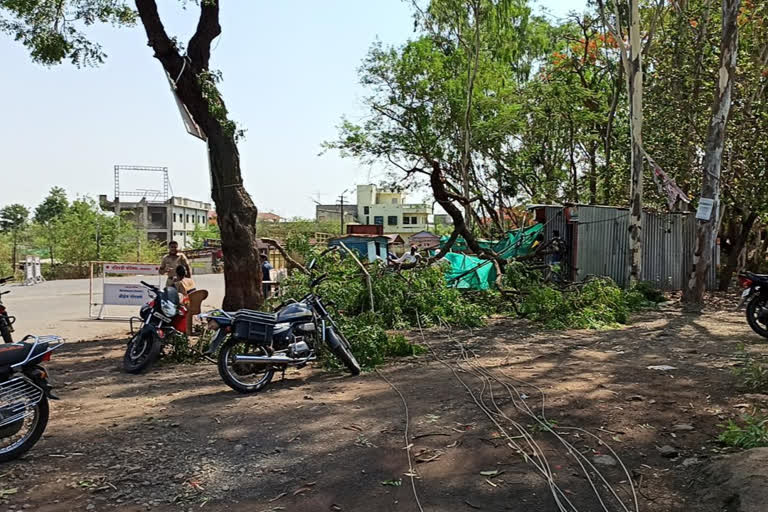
470 272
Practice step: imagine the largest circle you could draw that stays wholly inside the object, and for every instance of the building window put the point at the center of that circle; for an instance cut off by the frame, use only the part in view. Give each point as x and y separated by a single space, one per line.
406 220
394 200
378 220
187 218
174 217
392 220
367 220
414 221
366 210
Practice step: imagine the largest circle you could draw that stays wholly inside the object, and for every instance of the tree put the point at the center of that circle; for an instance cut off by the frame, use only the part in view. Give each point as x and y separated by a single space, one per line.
13 219
707 229
52 32
47 216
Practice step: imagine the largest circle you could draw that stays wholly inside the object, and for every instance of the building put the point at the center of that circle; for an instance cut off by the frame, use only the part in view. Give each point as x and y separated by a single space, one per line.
425 240
163 221
388 208
442 219
330 213
366 246
269 217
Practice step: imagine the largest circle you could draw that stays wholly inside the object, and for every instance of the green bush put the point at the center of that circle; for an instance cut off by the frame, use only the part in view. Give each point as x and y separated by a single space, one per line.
595 304
753 375
650 292
402 300
750 433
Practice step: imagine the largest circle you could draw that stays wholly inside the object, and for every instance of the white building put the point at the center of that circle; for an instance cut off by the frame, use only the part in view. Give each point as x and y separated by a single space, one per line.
174 219
388 208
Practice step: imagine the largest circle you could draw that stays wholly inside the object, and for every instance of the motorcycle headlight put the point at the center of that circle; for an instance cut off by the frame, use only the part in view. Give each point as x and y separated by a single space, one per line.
169 308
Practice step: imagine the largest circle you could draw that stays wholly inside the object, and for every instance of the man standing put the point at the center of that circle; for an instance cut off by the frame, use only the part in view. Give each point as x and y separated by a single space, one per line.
173 259
266 266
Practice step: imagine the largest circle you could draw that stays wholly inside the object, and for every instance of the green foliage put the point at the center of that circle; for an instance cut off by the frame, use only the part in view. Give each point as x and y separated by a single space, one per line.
203 232
594 304
752 375
209 81
13 218
52 31
53 206
751 432
401 300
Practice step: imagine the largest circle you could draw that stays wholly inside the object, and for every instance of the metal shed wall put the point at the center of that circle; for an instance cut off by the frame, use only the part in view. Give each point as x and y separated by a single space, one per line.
602 245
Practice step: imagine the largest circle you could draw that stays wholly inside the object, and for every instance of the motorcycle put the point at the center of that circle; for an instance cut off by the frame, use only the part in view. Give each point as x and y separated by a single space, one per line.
160 318
254 345
24 393
6 321
755 295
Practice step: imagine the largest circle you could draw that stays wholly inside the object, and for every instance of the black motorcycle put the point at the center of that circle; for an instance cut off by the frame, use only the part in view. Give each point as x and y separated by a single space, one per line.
6 321
755 295
160 318
259 344
24 393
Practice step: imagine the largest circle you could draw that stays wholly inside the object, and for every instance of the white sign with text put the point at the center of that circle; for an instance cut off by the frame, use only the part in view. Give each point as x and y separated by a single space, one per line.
125 294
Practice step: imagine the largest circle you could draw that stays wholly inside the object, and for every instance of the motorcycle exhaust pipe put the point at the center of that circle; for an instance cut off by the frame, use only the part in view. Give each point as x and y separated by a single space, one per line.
277 359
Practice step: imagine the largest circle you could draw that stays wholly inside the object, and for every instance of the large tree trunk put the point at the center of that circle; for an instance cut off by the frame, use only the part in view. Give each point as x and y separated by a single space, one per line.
738 233
235 209
706 230
635 91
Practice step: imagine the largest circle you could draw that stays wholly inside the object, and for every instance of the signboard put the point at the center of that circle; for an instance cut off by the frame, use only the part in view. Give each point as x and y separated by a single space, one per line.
131 268
125 294
704 212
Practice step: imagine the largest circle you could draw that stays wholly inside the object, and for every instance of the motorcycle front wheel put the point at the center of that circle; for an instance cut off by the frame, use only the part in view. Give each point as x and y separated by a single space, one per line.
244 377
142 351
5 328
342 350
757 315
19 436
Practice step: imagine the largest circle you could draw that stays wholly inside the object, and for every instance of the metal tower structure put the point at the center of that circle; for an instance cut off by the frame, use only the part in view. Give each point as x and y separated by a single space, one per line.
150 194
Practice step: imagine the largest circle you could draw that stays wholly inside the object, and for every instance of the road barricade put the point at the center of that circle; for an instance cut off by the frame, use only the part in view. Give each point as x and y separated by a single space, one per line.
123 292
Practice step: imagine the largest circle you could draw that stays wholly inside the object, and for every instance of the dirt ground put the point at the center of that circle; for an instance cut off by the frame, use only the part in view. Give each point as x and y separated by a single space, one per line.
178 439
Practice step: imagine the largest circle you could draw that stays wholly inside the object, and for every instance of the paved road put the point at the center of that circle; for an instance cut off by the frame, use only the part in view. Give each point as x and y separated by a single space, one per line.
61 307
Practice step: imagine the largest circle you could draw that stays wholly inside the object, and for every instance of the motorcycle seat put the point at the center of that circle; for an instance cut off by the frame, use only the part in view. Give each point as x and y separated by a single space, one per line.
12 353
757 277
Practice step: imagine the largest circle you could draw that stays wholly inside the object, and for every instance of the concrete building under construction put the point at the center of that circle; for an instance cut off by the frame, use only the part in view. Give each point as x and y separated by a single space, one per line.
162 216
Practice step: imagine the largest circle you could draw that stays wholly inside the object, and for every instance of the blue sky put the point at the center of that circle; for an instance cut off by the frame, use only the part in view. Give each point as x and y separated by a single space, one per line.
290 72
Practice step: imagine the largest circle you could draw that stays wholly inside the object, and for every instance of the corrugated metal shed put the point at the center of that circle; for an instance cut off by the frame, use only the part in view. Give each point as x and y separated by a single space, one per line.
598 241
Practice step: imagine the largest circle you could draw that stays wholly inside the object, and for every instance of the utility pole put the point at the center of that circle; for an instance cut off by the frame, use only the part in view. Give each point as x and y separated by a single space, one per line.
341 210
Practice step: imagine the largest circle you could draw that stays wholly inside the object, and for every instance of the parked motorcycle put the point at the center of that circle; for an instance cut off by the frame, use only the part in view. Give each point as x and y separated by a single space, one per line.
24 393
160 318
755 295
257 344
6 321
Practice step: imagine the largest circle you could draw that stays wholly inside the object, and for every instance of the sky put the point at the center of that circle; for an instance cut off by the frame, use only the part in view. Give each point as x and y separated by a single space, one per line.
290 73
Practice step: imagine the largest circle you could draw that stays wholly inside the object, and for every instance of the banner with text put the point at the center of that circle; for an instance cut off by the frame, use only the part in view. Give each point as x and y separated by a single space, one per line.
131 268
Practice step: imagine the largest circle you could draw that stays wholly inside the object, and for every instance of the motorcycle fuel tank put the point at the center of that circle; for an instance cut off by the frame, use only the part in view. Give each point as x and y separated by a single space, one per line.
294 312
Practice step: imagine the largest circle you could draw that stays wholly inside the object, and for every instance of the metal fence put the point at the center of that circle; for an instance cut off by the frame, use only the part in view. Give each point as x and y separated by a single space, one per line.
598 239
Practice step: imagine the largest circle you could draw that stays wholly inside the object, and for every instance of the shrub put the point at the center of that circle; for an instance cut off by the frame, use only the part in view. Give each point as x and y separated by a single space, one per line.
750 433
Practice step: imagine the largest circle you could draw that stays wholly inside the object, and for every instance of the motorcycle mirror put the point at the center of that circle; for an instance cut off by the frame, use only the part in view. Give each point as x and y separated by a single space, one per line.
312 264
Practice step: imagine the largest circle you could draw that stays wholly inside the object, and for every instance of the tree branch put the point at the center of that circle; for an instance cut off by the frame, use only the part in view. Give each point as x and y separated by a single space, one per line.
208 29
164 47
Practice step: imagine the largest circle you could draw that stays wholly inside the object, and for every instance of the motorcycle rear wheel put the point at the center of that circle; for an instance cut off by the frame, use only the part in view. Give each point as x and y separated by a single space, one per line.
236 375
33 426
755 309
142 351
